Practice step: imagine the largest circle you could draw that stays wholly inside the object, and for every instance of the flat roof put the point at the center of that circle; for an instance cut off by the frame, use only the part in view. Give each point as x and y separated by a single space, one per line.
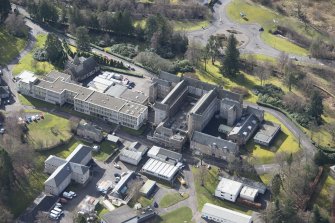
160 168
267 132
224 213
229 186
134 96
149 184
249 192
27 76
131 154
113 138
59 85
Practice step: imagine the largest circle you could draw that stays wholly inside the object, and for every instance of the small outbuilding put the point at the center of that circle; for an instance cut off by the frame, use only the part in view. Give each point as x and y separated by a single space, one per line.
113 138
148 188
249 193
267 133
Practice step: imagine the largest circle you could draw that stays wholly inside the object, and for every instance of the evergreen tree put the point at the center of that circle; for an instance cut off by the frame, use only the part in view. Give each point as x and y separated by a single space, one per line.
6 173
47 11
316 106
275 185
83 39
231 64
317 217
5 9
54 49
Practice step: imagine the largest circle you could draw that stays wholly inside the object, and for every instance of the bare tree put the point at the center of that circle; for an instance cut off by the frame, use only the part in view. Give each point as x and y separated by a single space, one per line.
263 72
282 61
193 53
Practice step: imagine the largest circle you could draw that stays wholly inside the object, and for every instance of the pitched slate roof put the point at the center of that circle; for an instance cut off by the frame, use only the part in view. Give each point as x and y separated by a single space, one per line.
209 140
59 175
54 160
79 154
120 215
81 68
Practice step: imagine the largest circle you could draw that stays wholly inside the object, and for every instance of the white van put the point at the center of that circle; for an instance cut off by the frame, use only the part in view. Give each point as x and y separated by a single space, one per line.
67 195
55 213
58 210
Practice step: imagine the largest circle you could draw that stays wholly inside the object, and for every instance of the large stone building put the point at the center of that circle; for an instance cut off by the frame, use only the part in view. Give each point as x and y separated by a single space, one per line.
185 106
56 89
64 170
89 131
81 68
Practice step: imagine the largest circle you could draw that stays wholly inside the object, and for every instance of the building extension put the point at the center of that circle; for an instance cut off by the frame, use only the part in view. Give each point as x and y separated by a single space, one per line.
267 133
64 170
56 89
133 154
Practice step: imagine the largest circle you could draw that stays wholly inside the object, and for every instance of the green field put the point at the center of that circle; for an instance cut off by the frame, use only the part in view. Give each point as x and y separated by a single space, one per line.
171 199
324 200
10 46
180 215
284 142
186 26
265 17
28 62
48 132
205 193
106 148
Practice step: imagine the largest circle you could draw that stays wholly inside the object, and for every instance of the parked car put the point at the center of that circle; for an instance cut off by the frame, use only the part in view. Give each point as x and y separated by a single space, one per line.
62 200
117 166
73 194
67 195
55 212
58 205
53 216
117 175
59 211
2 130
117 179
155 204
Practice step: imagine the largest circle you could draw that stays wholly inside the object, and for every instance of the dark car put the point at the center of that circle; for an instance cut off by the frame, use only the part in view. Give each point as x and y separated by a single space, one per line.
261 29
117 175
155 204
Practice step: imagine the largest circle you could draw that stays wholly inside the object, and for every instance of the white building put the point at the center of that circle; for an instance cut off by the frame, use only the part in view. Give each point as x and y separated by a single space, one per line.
57 90
64 170
164 155
161 170
249 193
223 215
228 189
133 154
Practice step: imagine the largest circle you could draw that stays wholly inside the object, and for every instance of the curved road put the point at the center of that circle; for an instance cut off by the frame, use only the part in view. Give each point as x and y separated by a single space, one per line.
248 33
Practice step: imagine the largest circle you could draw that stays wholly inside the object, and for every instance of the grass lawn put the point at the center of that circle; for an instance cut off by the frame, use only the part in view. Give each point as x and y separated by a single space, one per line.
261 57
28 62
324 200
29 101
171 199
284 142
101 210
189 25
10 46
266 178
145 202
205 193
265 17
49 131
106 148
180 215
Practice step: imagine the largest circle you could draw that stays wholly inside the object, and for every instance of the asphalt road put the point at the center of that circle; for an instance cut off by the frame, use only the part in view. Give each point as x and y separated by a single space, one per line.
248 33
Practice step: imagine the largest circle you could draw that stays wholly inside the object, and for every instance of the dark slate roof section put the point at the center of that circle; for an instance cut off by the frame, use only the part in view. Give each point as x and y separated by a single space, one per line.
208 140
79 154
83 68
170 154
55 161
203 103
120 215
42 203
161 82
169 77
59 175
79 169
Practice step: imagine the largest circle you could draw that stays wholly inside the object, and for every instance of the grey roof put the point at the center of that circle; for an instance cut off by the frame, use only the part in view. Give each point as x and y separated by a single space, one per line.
175 93
161 82
54 160
267 132
79 154
165 154
53 75
245 126
169 77
124 180
88 127
79 169
113 138
257 112
138 147
149 184
134 96
59 175
224 213
81 68
209 140
116 90
4 91
120 215
203 103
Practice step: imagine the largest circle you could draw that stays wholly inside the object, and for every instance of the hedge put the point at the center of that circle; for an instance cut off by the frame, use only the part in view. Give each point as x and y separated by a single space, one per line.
127 72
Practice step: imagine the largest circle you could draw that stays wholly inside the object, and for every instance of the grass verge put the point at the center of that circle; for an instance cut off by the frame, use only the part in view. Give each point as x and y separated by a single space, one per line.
205 193
30 64
266 17
10 46
172 199
180 215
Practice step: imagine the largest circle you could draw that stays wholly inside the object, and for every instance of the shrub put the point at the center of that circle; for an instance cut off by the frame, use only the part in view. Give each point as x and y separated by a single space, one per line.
40 55
183 66
126 50
241 90
154 62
